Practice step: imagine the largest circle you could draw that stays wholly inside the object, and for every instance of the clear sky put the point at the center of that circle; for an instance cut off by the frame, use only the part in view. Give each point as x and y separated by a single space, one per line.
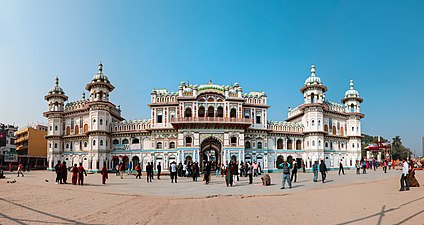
264 45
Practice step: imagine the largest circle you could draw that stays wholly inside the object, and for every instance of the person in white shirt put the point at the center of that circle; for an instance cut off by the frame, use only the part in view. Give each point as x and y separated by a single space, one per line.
173 172
404 178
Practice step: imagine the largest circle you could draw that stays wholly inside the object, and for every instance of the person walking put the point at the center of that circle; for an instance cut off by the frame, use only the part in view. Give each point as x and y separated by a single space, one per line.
207 171
358 167
294 172
81 173
218 170
385 166
195 171
153 171
58 174
364 167
341 167
255 169
404 181
173 168
138 170
323 170
74 174
229 174
130 168
64 172
315 171
149 170
249 172
121 170
236 173
241 168
104 173
20 168
286 174
159 168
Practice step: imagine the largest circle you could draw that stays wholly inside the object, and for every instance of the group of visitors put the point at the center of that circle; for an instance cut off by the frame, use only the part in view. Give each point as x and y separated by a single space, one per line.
78 174
407 178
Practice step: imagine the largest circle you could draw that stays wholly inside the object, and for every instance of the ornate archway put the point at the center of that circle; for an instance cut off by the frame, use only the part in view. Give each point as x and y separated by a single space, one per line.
210 151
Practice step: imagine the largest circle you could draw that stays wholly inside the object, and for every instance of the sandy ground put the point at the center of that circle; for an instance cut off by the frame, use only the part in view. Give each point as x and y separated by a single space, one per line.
351 199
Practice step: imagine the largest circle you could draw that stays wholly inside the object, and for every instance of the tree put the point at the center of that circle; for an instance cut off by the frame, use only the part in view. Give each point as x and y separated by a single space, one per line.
398 150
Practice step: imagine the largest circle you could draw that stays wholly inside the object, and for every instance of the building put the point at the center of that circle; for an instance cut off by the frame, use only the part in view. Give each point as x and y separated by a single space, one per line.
32 145
8 147
207 122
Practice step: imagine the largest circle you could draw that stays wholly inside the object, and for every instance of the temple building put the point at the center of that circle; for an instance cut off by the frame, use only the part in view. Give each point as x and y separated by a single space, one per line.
198 123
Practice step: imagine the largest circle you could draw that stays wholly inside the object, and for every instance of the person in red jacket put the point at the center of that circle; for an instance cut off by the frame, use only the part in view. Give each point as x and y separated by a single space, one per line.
81 172
74 174
104 173
64 172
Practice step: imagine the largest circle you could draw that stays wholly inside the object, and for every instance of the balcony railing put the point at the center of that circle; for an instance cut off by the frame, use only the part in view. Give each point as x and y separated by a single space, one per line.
210 120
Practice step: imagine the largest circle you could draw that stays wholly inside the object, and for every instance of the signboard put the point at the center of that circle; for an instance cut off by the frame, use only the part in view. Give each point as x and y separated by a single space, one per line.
10 157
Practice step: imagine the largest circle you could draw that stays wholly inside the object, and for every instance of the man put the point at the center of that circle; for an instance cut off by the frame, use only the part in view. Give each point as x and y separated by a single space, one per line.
173 172
153 170
149 170
249 172
207 170
294 172
138 170
195 169
159 168
64 172
104 173
323 170
341 167
81 172
255 169
286 174
121 170
58 175
404 181
129 168
385 166
315 171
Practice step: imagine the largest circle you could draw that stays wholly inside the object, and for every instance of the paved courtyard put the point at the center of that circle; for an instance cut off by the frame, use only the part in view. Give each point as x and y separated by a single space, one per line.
350 199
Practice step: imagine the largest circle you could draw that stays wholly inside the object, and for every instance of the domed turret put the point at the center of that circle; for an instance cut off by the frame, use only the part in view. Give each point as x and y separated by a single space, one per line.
313 90
56 97
351 92
351 100
313 79
100 86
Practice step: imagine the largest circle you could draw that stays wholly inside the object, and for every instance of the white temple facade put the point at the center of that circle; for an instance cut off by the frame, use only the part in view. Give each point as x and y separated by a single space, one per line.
208 122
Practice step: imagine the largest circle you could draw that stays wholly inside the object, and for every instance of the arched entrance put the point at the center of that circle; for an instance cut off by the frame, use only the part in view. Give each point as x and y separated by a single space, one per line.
135 161
210 151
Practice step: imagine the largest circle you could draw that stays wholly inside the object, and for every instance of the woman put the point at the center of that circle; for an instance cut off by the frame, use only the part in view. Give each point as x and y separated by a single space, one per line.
74 174
413 182
229 174
104 173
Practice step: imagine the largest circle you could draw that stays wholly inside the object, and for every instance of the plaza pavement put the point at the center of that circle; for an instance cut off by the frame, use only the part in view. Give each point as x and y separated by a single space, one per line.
351 199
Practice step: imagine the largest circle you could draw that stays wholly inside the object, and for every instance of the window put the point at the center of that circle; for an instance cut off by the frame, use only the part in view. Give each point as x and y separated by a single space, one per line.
290 144
50 128
71 146
353 128
201 112
312 98
115 142
67 145
247 144
233 141
258 119
94 142
187 112
159 145
76 130
125 141
319 122
313 143
220 112
188 141
172 145
136 141
101 121
326 144
159 120
50 145
313 122
55 145
94 120
101 142
233 113
210 111
68 130
319 143
85 144
259 145
280 144
55 128
247 115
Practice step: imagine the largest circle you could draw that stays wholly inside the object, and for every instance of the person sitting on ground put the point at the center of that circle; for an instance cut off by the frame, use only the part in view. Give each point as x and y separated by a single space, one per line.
266 180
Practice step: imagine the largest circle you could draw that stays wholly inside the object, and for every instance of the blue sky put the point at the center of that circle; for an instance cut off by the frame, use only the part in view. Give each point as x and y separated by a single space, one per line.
264 45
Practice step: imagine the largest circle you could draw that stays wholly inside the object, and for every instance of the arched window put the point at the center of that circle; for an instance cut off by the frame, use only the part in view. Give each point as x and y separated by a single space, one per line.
247 145
188 140
220 112
233 141
187 112
55 128
172 145
342 131
298 145
280 144
312 98
211 111
313 123
101 142
85 128
135 141
125 141
115 142
201 112
326 128
259 145
68 130
334 130
289 144
280 160
76 130
94 142
101 121
85 144
319 122
233 113
352 108
55 145
159 145
326 144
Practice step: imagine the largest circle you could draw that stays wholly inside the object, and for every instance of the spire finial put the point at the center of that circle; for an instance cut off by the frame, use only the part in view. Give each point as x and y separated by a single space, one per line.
100 67
351 85
57 81
312 70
